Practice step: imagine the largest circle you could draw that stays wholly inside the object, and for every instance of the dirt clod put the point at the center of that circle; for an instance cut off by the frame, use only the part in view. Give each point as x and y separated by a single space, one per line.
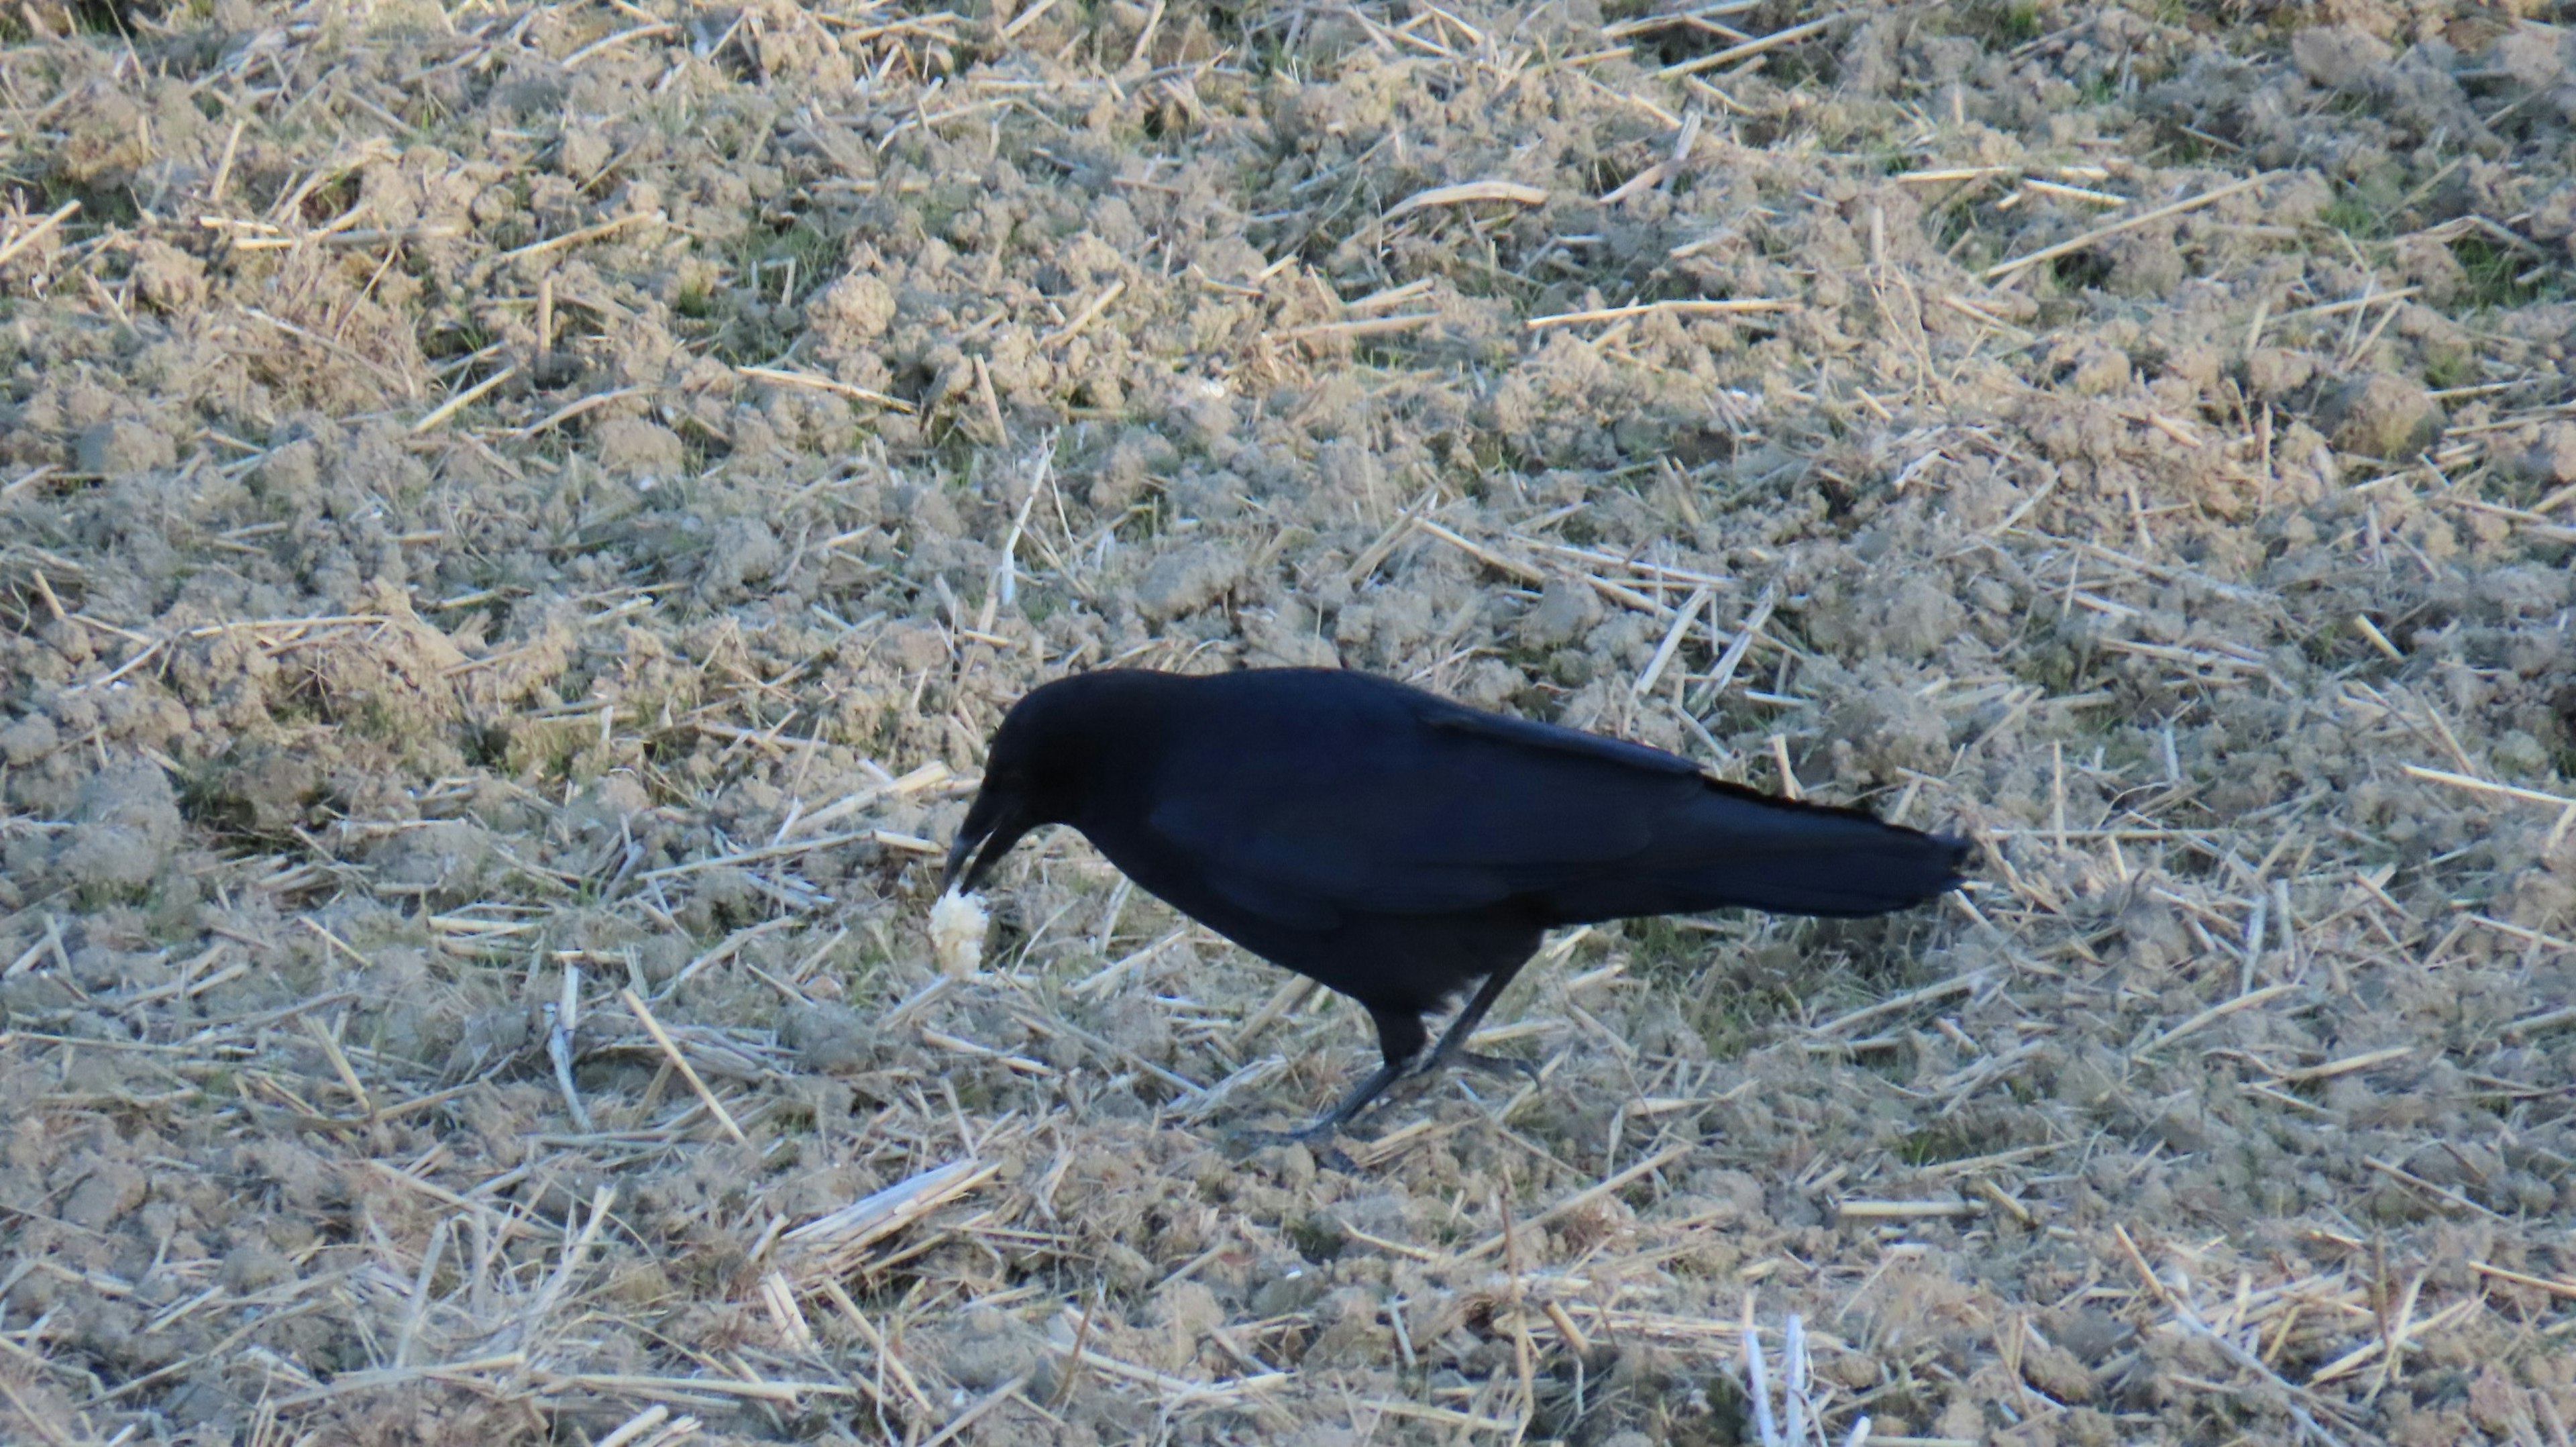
1188 580
122 448
2341 57
2552 455
2381 416
635 448
124 827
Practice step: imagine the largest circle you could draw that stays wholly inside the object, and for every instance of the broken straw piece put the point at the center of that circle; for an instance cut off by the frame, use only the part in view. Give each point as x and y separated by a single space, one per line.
957 933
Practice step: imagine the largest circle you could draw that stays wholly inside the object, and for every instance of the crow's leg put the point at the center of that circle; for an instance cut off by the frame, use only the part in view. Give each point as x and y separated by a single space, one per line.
1452 1047
1400 1038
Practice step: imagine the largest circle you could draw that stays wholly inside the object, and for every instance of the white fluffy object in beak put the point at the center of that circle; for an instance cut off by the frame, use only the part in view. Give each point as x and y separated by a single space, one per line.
957 933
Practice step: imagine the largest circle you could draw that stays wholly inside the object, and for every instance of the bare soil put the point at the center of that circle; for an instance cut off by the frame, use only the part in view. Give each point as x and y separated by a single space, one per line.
516 521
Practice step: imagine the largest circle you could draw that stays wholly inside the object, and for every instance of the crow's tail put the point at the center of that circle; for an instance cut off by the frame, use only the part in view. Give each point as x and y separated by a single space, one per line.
1735 847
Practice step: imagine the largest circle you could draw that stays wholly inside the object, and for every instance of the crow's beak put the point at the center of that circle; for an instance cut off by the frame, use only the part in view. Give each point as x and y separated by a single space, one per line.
992 825
958 855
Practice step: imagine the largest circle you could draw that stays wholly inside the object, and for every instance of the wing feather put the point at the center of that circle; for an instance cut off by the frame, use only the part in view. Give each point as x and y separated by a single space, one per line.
1442 809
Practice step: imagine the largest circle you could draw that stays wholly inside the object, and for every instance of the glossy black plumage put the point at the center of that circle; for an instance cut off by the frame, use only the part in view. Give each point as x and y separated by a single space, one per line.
1400 848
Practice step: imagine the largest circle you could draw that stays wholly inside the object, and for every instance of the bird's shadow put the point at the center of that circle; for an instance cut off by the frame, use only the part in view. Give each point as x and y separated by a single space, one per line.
1243 1142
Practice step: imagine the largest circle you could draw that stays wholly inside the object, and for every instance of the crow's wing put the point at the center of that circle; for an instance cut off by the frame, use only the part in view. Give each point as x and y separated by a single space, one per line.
1443 808
1439 808
1454 721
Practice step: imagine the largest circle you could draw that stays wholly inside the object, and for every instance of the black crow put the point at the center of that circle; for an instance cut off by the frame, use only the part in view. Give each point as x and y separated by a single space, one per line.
1398 847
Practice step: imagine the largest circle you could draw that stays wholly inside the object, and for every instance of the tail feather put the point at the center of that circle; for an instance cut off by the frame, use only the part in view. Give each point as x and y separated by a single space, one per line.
1735 848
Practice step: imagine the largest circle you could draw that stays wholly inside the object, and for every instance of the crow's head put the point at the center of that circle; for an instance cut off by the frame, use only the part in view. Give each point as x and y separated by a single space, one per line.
1044 760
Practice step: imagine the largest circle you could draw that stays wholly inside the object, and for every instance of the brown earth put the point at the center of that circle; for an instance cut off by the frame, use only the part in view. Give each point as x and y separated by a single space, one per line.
507 505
